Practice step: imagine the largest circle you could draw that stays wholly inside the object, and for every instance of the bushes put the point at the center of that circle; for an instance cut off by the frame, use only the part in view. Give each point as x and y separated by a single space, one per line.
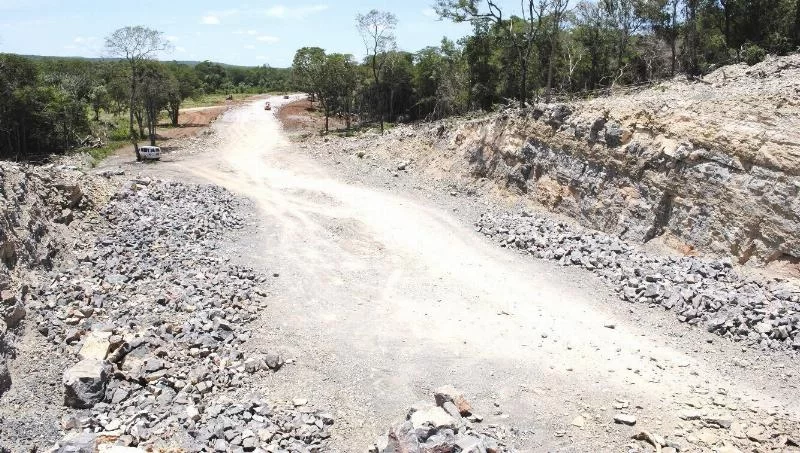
753 54
37 117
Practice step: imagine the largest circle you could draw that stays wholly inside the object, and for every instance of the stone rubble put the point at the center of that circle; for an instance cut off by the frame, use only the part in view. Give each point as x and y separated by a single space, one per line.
445 427
699 291
154 316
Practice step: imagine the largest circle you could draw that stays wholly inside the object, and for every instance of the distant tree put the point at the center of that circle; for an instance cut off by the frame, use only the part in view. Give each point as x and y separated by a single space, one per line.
212 76
377 32
187 85
307 68
156 88
334 84
136 45
556 10
625 17
99 98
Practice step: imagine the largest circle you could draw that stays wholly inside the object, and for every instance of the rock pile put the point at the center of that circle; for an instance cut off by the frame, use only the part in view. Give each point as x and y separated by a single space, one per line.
154 316
446 427
698 291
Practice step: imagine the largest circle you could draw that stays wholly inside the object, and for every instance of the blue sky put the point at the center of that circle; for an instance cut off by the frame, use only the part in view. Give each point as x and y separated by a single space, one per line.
246 33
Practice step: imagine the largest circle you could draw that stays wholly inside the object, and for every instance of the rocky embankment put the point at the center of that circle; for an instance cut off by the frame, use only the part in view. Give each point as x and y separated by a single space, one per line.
707 167
130 334
699 291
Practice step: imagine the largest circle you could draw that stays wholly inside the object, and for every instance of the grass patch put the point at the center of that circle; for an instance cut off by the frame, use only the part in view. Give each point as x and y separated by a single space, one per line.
98 154
210 100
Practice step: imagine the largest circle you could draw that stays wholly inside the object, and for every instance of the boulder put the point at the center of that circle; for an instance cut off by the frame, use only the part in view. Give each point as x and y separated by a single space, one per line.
432 419
402 439
13 314
85 383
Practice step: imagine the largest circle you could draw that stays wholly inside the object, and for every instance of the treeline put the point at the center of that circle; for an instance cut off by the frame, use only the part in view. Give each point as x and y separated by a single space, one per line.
50 105
539 49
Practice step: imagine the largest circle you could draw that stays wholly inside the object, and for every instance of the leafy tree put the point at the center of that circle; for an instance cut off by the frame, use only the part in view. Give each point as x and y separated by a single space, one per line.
99 98
185 84
136 45
307 69
212 76
521 31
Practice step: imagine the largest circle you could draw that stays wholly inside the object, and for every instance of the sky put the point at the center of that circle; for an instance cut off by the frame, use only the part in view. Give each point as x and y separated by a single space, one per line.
247 33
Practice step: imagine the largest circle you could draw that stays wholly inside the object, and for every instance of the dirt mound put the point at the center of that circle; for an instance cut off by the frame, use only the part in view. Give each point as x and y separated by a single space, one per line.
305 116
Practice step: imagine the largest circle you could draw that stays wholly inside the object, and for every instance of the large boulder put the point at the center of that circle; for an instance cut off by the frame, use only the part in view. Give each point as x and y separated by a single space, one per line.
85 383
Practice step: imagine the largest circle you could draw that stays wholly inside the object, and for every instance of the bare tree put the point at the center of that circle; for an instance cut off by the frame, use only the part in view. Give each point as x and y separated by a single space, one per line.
377 32
575 53
524 41
557 10
135 45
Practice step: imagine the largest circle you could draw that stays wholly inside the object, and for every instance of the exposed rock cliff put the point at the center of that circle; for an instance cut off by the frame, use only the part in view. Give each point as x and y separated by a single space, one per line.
710 167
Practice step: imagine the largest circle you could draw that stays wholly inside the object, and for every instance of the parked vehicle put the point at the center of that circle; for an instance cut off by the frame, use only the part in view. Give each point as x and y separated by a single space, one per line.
286 96
150 152
267 106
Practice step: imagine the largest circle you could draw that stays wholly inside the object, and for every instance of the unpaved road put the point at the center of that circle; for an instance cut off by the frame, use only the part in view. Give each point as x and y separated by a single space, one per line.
383 296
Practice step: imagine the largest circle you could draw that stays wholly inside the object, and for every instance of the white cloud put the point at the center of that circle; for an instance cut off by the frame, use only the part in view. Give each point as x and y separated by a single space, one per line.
429 12
180 49
268 39
210 20
249 47
171 38
300 12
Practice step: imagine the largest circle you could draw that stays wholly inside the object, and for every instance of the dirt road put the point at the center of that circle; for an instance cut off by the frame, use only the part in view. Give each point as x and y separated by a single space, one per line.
383 296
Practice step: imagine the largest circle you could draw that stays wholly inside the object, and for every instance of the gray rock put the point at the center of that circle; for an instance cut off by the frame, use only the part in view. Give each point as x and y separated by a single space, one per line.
77 443
13 314
85 383
274 361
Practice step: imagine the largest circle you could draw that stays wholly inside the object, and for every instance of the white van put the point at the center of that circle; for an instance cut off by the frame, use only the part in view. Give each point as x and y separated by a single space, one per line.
150 152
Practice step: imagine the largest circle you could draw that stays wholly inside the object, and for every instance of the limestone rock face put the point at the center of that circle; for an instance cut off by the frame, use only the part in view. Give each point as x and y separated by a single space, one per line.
709 167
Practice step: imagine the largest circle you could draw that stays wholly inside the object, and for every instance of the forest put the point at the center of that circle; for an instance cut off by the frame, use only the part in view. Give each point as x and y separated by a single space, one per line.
51 105
538 51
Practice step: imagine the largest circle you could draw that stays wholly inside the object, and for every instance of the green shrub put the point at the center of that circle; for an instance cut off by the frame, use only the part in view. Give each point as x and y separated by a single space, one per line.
753 54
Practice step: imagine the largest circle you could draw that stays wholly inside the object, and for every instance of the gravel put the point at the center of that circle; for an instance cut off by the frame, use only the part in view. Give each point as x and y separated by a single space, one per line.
703 292
153 316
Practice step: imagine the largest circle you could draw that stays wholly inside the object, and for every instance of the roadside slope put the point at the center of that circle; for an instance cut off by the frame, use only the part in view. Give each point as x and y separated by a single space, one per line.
708 167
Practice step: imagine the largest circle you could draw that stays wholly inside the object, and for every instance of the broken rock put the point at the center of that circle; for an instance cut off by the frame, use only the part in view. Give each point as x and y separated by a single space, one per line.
625 419
95 346
449 393
85 383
